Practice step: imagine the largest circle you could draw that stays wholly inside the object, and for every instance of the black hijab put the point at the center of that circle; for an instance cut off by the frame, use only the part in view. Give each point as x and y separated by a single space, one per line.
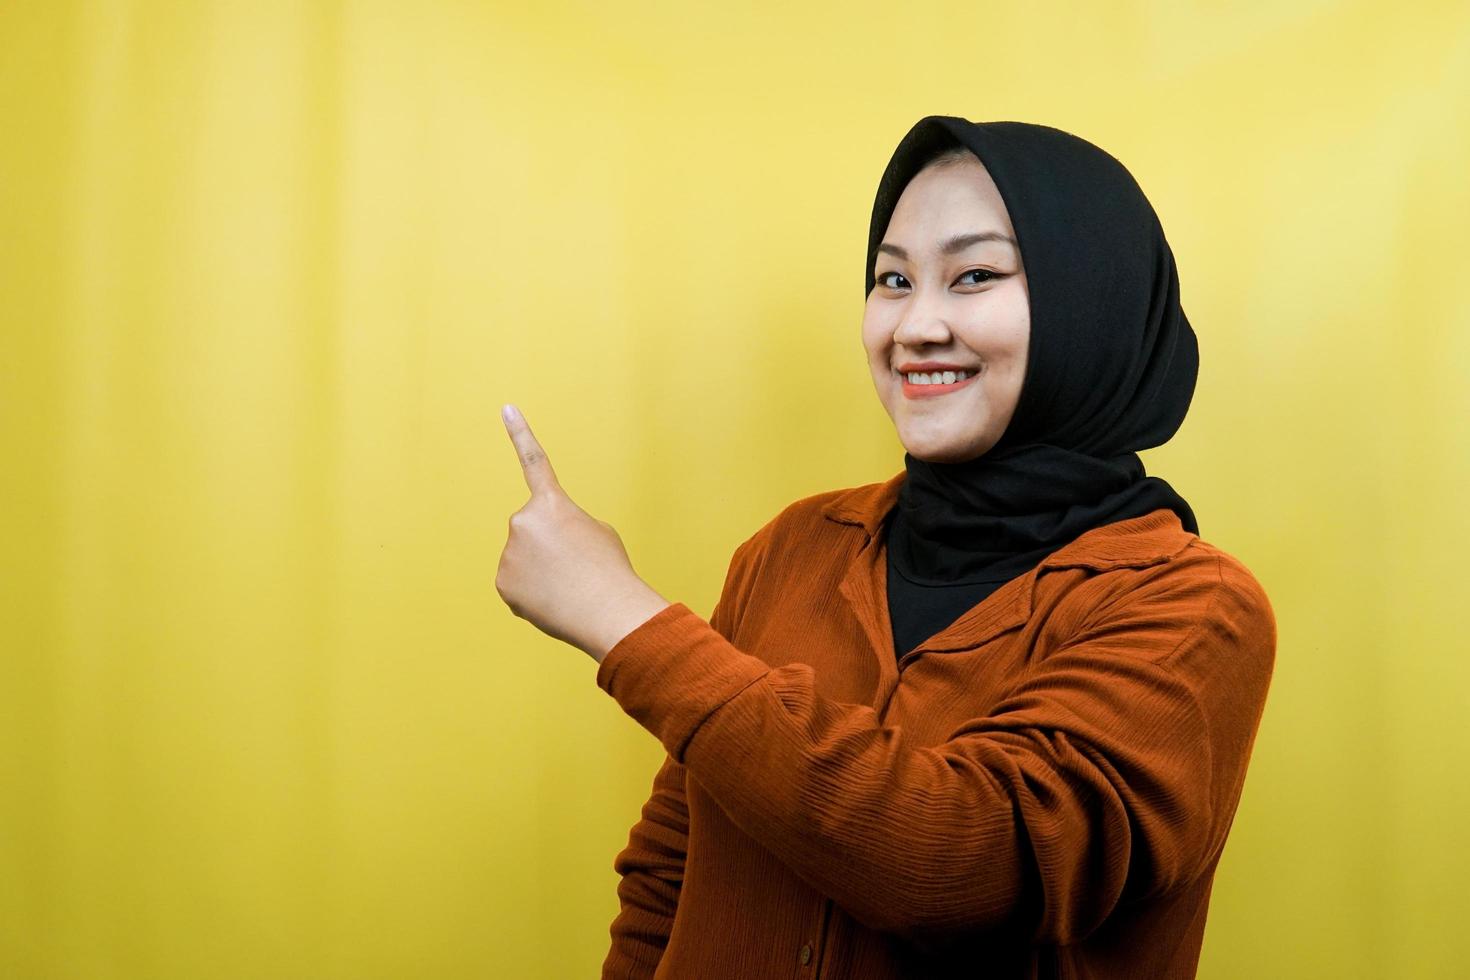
1111 369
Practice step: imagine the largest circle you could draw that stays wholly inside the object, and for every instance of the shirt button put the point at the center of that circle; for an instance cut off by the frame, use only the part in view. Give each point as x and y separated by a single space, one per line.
806 954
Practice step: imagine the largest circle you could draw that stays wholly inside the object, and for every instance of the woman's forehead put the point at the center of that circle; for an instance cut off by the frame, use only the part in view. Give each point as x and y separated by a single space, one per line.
951 199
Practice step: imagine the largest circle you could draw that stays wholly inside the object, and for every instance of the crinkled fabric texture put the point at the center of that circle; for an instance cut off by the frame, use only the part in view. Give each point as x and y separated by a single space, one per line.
1044 792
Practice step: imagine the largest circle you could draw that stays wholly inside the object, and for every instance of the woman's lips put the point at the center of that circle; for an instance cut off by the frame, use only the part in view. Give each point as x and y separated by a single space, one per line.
932 391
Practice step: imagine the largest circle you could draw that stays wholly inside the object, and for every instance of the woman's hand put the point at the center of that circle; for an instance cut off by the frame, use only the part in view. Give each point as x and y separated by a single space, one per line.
562 569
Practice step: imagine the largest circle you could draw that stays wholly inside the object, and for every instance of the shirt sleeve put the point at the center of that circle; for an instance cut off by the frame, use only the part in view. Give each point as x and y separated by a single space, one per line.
1110 773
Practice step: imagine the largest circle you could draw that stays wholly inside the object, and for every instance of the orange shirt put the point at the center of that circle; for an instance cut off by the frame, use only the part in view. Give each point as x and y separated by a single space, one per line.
1042 789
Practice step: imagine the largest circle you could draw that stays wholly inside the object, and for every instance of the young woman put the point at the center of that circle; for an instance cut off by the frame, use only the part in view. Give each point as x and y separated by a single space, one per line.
991 716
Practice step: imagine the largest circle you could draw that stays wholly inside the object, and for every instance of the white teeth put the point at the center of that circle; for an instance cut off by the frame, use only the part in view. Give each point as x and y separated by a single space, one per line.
937 378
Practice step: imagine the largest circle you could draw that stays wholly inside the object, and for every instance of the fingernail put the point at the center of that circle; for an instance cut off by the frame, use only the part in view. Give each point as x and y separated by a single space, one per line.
510 413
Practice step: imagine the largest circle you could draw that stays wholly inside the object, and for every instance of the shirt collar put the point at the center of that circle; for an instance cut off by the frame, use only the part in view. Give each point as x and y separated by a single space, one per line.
1137 541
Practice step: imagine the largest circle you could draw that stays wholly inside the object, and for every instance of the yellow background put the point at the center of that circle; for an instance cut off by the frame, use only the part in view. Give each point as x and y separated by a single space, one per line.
268 270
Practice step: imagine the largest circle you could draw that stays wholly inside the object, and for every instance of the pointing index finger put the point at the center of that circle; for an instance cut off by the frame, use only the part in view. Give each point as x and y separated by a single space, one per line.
537 468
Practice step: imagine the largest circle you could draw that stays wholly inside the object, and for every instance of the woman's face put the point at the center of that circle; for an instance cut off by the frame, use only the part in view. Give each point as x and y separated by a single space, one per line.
946 300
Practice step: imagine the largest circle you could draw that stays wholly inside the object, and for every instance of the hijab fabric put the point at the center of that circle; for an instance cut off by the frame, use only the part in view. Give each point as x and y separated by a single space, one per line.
1111 370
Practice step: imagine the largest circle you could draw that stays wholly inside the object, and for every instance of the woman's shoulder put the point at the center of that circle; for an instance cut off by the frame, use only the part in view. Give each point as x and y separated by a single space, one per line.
829 512
1228 569
1217 572
1151 570
801 540
1160 552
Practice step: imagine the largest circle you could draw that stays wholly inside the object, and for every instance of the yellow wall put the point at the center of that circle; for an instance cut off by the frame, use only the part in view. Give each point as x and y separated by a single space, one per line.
268 270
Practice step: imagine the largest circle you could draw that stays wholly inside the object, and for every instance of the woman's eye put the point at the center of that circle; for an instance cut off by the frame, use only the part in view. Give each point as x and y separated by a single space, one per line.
899 282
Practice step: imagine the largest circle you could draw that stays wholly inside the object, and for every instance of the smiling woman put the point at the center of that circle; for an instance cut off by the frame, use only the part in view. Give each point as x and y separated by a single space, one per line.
942 285
991 715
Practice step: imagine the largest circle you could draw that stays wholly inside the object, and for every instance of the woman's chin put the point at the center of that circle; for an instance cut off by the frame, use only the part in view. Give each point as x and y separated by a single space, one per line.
933 442
943 452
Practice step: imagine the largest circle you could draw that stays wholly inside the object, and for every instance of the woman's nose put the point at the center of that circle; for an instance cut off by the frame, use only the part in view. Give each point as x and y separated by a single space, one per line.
919 327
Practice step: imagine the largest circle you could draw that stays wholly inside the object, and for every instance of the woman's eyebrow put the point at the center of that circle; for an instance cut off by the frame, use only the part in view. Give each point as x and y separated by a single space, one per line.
956 244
